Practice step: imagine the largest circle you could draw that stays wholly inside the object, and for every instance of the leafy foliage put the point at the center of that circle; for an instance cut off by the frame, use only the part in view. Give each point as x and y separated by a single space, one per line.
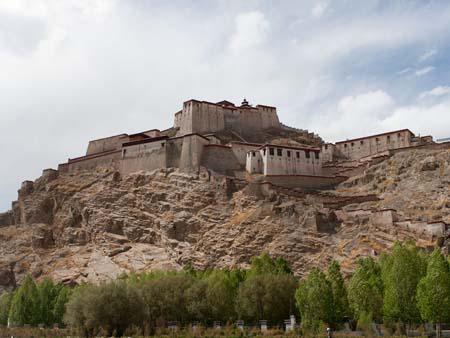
341 308
433 291
365 290
25 306
401 272
315 299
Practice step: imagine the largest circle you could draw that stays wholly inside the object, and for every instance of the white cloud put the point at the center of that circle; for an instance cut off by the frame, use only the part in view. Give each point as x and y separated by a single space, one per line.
428 54
319 9
371 103
404 71
424 71
437 91
375 112
251 30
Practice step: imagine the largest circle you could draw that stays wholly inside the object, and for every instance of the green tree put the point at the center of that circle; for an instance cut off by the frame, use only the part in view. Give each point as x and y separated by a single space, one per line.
433 291
264 264
5 305
25 306
340 299
112 307
267 296
401 272
221 295
166 297
59 308
365 290
314 299
48 292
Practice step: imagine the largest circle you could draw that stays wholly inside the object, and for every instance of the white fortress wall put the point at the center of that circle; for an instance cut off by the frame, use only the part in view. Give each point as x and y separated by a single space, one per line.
291 161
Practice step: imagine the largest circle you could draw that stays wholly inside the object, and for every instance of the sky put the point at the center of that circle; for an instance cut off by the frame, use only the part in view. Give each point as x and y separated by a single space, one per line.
75 70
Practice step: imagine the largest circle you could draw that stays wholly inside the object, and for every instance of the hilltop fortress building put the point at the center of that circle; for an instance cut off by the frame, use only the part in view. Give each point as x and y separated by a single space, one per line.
214 136
206 117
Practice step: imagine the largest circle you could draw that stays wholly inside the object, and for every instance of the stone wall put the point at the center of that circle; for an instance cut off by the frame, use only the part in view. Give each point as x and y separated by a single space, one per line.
192 151
206 117
240 150
106 144
144 156
304 181
280 160
220 159
106 159
371 145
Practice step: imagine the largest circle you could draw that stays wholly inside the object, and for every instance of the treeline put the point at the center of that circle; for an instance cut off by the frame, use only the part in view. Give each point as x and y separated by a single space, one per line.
405 287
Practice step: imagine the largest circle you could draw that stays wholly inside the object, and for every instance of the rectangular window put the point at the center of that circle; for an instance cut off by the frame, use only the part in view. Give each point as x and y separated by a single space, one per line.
162 145
326 146
288 153
280 152
308 155
271 151
345 145
264 151
317 155
388 139
298 154
362 142
353 144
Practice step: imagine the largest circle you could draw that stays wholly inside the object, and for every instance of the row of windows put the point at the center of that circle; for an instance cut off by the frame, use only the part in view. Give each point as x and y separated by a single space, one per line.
289 153
377 140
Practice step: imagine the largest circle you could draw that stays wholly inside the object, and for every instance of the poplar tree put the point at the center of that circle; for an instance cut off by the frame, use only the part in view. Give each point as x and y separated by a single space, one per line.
365 290
48 292
25 304
314 299
5 305
433 291
60 304
401 272
340 298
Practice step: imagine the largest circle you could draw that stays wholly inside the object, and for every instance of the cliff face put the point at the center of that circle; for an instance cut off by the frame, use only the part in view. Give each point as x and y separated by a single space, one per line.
92 226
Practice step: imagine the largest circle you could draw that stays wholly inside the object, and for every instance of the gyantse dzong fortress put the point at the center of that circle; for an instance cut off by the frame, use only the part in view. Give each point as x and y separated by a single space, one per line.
246 143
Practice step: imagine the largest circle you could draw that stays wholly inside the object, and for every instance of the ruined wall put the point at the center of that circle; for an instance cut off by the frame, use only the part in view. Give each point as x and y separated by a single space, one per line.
220 159
368 146
304 181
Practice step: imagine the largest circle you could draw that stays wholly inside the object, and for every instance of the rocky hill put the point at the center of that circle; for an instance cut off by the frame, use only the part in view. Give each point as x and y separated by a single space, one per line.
92 226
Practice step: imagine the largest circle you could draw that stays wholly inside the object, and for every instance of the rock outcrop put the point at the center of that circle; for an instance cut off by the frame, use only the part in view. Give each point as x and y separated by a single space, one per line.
92 226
